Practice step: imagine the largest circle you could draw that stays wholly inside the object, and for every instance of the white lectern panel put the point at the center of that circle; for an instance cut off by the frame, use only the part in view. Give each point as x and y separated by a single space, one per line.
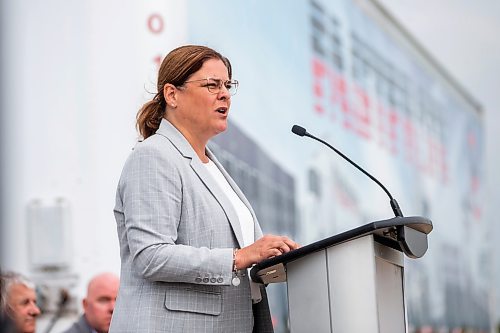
351 268
308 299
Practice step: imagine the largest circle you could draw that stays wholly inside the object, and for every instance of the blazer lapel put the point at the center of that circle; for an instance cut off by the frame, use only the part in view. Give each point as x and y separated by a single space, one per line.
239 193
214 188
170 132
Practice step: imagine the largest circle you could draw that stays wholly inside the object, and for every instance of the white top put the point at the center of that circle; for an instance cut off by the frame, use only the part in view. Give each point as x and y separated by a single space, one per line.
244 216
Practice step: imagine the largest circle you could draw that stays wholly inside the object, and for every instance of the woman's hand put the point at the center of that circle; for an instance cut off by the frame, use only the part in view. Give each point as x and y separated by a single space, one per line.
263 248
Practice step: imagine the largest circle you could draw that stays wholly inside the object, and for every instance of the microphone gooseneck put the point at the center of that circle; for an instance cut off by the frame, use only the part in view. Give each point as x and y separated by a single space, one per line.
301 131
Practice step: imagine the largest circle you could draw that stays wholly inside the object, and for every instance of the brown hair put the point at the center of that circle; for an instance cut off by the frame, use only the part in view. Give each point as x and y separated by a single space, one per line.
175 69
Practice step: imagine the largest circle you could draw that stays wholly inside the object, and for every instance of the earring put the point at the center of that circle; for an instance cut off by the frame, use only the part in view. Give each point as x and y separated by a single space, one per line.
173 105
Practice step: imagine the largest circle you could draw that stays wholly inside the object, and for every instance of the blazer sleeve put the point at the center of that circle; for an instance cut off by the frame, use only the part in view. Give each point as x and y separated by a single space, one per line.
151 193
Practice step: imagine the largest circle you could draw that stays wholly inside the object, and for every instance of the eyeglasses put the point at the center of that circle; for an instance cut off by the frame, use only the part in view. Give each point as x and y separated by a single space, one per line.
214 86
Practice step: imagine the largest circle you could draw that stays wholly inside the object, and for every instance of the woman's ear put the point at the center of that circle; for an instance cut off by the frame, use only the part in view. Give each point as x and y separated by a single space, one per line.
170 95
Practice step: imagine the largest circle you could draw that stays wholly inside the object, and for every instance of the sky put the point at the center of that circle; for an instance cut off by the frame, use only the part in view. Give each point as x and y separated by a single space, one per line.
462 35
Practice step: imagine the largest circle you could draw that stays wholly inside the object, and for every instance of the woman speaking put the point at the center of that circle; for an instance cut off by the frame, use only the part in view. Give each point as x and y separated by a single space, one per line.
187 233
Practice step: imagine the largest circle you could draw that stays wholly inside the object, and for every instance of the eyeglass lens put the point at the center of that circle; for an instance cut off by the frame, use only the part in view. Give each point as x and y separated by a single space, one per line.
215 85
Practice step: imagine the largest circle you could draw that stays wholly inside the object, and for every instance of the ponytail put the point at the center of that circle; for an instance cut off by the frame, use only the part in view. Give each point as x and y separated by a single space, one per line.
150 115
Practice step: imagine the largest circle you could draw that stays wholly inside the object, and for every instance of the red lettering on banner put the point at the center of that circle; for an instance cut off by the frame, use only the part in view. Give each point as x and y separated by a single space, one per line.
339 91
319 72
388 121
155 23
357 116
329 89
318 90
369 119
155 26
409 142
393 130
157 60
435 157
319 109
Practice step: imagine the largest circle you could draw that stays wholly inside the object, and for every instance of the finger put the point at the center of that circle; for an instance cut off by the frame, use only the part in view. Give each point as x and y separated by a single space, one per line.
291 243
284 248
273 253
278 244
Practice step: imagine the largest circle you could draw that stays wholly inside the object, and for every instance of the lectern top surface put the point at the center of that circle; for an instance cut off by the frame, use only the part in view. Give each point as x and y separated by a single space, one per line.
384 230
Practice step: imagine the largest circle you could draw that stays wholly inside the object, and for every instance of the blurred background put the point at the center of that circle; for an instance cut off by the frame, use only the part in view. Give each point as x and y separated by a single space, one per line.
408 89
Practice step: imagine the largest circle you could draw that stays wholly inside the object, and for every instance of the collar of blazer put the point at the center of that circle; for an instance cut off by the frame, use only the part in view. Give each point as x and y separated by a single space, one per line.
168 130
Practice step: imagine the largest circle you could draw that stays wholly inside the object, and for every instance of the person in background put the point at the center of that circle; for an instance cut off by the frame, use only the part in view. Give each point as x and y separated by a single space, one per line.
18 303
98 305
187 233
6 324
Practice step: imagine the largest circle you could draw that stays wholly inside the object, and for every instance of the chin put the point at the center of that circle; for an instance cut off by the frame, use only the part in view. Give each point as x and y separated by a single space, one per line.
221 128
28 328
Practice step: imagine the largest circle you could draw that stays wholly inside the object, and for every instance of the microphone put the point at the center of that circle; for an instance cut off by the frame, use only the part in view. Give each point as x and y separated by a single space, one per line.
301 131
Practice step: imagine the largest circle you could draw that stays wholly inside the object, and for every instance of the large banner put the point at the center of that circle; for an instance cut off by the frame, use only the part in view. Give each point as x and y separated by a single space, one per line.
348 74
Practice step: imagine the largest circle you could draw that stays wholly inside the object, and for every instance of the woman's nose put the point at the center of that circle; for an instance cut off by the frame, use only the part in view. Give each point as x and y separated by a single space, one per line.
223 93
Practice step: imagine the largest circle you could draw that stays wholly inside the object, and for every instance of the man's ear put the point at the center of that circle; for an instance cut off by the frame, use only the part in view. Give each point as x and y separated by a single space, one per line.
84 303
170 94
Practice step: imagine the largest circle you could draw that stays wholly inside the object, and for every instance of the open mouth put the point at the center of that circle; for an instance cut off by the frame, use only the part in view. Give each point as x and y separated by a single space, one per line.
222 110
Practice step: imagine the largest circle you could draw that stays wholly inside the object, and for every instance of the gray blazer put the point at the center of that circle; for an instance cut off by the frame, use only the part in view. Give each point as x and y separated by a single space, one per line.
80 326
177 231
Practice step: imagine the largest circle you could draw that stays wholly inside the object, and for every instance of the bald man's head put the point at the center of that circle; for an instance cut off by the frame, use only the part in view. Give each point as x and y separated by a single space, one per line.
100 301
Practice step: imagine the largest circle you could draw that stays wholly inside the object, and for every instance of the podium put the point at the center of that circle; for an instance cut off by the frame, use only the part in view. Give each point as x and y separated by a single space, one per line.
351 282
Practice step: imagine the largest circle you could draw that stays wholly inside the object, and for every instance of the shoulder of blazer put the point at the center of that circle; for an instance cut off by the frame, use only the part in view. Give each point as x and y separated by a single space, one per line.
80 326
178 140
